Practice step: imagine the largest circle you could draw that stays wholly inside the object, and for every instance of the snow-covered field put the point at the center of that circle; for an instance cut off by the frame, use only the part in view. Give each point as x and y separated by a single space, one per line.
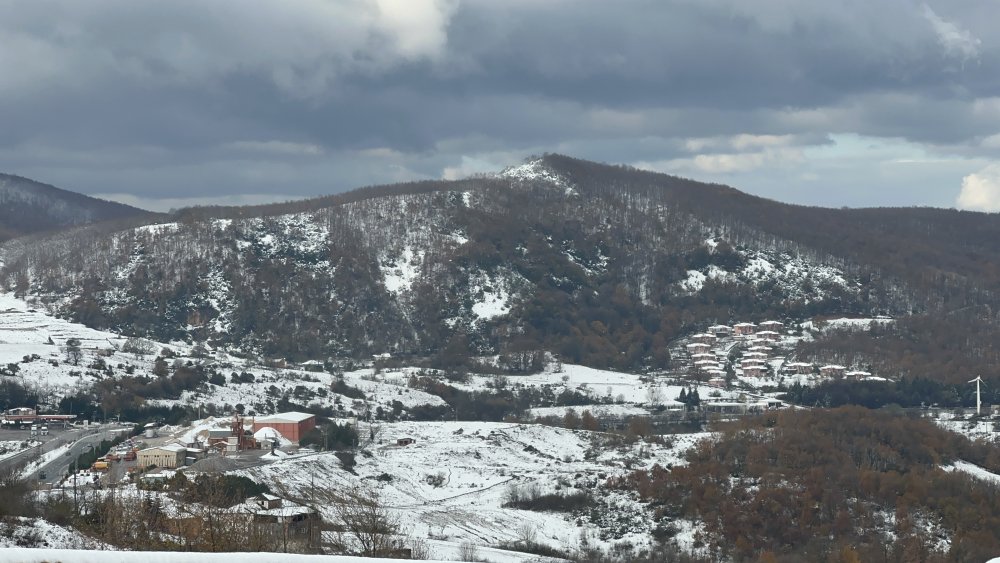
981 429
451 483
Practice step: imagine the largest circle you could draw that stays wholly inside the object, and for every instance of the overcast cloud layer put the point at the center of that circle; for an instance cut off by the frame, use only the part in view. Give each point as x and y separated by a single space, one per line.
845 102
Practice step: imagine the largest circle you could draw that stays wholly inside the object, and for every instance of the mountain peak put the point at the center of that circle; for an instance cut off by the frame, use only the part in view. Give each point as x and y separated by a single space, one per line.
27 207
537 169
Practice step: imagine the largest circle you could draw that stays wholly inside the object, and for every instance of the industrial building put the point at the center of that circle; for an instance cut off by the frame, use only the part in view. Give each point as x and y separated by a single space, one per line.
292 425
166 457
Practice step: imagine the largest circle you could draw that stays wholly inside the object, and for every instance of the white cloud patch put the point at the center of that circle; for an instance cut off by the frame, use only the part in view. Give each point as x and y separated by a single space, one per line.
954 39
276 147
418 26
304 47
468 167
740 143
981 190
171 203
733 154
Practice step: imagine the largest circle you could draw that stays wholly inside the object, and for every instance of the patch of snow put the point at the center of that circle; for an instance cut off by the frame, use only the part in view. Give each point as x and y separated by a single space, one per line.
535 170
974 471
492 305
399 276
25 555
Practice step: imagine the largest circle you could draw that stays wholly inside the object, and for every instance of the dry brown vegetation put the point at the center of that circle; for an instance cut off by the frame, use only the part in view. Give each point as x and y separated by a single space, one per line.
824 485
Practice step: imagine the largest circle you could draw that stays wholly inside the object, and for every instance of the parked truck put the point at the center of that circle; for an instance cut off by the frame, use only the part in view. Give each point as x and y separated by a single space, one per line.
100 466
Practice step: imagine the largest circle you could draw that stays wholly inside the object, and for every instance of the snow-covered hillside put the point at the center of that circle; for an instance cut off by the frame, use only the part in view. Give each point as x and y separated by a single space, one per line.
450 485
473 267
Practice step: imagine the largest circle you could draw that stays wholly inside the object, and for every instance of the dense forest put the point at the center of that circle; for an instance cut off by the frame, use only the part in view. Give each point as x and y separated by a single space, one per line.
601 265
847 484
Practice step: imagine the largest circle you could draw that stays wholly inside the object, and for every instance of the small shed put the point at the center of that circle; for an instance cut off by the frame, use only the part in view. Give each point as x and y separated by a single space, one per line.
405 441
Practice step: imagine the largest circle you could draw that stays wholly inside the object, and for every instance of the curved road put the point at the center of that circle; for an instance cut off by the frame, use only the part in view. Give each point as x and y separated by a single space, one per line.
75 442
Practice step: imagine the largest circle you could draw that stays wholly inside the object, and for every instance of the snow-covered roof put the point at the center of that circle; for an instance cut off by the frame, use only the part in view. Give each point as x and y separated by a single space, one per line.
285 417
833 367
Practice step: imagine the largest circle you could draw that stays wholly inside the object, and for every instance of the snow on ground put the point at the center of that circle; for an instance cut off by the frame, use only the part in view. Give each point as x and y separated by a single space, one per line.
597 410
25 331
696 280
983 429
157 229
400 275
16 534
690 537
10 448
310 388
450 484
973 470
493 304
43 460
535 170
23 555
845 323
602 385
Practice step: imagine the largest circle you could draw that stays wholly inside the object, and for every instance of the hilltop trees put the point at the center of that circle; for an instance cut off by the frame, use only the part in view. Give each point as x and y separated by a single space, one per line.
604 267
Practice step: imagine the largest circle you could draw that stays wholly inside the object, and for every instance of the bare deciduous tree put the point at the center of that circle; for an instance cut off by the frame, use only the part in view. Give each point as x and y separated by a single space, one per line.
366 526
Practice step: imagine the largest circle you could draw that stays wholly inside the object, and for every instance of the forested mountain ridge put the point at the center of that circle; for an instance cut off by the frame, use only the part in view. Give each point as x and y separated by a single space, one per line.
602 265
28 207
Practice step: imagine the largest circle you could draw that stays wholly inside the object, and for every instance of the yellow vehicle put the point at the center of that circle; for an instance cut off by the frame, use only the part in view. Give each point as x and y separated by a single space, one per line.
99 466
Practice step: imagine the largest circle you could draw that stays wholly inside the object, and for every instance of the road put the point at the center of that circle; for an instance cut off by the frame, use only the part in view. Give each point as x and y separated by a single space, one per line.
74 441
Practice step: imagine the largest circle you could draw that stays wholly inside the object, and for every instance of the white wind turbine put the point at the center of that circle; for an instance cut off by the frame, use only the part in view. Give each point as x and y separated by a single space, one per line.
979 401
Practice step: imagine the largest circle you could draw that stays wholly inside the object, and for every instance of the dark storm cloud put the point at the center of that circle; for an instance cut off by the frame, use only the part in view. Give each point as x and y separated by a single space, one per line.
188 99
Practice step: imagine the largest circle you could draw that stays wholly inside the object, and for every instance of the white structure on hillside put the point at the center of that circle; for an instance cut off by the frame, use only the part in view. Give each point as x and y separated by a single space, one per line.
979 398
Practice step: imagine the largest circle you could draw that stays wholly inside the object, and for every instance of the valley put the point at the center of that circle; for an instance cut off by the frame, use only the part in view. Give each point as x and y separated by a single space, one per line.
485 386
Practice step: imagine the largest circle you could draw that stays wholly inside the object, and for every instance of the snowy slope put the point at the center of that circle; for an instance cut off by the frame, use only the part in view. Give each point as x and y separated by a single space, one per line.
23 555
450 484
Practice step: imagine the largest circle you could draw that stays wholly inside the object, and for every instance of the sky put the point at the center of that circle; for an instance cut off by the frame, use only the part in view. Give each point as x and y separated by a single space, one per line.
835 103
